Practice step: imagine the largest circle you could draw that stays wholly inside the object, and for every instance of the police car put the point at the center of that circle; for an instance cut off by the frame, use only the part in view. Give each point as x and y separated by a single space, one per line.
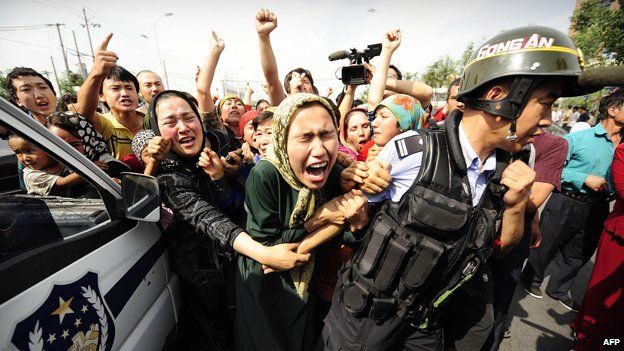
83 274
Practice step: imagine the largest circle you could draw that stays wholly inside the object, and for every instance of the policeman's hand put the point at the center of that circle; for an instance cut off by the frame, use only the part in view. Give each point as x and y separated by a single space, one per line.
266 22
104 60
353 176
378 177
283 257
235 165
391 40
158 147
518 178
596 183
210 162
217 43
354 207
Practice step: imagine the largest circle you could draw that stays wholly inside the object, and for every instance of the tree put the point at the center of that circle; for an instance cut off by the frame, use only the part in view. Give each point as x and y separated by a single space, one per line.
3 90
439 73
599 32
70 85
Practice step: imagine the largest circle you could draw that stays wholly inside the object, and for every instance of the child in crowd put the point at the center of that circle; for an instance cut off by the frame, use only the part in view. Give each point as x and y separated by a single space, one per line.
139 147
43 175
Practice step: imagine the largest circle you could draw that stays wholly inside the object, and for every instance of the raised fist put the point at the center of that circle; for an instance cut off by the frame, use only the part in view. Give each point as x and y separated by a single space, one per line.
217 43
391 40
266 21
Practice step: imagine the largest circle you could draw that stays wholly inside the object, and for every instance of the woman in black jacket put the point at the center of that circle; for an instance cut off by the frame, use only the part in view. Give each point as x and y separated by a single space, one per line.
201 237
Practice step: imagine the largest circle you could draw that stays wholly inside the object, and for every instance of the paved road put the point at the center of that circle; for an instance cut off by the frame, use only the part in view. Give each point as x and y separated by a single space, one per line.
543 324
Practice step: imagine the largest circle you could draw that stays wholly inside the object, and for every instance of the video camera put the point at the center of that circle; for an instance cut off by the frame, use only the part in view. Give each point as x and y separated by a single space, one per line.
356 74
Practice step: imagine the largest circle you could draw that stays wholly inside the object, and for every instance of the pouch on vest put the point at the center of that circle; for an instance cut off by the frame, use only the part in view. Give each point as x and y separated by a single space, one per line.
378 237
486 227
437 214
392 263
355 298
423 262
381 309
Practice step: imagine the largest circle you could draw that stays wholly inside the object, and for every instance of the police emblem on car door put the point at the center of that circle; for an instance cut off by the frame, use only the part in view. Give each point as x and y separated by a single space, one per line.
74 317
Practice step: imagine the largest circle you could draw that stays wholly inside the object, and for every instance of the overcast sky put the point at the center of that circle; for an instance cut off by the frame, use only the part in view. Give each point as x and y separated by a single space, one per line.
307 32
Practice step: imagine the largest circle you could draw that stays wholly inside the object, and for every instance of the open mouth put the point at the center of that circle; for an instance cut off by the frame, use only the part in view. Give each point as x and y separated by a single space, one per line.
43 104
126 102
317 170
186 141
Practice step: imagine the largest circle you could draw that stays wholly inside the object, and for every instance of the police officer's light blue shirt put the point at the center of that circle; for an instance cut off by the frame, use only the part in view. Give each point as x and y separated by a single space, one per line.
404 171
590 151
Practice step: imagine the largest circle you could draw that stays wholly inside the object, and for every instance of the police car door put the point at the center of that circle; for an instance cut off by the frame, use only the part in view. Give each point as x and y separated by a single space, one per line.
76 273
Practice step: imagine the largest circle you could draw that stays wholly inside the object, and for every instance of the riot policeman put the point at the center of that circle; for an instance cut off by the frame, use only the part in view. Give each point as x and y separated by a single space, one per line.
466 201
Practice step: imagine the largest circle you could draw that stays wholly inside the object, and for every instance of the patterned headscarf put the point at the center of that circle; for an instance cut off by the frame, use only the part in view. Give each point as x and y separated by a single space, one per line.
278 156
140 142
405 109
226 98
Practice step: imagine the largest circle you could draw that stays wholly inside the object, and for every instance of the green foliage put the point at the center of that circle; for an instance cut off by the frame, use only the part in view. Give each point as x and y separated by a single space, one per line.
590 101
70 85
410 76
599 32
439 73
364 95
3 90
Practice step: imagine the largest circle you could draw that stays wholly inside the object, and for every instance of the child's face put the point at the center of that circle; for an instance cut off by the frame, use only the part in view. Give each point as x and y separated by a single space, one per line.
30 155
145 156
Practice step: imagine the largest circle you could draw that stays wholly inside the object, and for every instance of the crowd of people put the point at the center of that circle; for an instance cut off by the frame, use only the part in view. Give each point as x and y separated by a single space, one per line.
299 222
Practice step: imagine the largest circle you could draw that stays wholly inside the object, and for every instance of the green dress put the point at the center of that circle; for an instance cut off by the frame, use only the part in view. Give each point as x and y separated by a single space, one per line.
270 315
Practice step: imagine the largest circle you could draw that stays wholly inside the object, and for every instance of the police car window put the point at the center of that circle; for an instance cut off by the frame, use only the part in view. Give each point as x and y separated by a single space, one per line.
48 204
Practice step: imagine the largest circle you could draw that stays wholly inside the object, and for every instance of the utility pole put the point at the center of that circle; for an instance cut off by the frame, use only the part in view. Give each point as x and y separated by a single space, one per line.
58 29
166 75
86 24
55 75
78 53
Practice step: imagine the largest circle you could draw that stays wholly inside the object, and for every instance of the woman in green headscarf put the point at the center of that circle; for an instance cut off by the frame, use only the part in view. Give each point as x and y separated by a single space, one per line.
286 199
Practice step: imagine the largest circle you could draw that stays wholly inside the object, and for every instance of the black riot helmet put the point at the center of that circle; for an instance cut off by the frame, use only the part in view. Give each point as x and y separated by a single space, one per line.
529 55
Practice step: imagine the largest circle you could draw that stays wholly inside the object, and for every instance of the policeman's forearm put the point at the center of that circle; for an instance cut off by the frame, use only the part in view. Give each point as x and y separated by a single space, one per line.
512 227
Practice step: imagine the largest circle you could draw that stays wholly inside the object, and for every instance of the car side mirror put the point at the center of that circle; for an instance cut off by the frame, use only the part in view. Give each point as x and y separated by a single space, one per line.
141 197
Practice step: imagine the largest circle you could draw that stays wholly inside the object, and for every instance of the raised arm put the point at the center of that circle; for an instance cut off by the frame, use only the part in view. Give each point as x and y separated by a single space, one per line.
247 98
419 90
345 106
390 43
89 93
266 22
206 74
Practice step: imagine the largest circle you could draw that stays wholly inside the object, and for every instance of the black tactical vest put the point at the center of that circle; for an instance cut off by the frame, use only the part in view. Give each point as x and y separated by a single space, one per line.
418 251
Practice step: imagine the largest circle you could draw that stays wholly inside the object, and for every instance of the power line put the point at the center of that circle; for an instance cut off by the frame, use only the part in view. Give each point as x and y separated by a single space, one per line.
17 28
